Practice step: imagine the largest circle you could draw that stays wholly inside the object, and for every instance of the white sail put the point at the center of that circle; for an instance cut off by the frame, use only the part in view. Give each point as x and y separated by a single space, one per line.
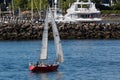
57 39
44 48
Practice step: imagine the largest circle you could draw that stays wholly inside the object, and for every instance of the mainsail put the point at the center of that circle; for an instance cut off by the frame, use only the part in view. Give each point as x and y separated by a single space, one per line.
57 39
44 48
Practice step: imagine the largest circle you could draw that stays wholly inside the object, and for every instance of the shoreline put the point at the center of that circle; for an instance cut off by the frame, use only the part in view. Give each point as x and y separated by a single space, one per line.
110 17
33 31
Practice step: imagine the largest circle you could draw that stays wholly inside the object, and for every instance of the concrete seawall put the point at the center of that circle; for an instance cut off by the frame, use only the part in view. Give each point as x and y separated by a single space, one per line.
32 31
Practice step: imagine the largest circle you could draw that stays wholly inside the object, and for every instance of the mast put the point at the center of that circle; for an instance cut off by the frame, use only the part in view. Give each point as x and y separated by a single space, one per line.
5 2
77 0
44 48
59 52
52 3
0 14
31 10
19 13
89 0
40 9
13 8
36 8
55 12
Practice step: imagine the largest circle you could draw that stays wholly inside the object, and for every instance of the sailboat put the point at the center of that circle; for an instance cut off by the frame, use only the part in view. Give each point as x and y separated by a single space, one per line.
40 66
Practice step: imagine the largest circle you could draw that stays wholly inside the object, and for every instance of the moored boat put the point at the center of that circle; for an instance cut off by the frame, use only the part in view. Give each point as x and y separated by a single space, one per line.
79 11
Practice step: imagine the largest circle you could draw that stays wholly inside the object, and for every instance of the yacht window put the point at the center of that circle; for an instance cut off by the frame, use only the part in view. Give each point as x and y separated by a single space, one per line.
95 15
83 6
84 16
71 16
79 16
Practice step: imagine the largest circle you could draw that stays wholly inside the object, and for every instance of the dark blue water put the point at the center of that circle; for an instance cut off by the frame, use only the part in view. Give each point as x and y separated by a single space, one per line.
84 60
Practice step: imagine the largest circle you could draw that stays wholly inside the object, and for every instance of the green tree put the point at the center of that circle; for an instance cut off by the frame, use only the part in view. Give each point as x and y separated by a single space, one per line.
116 6
18 3
40 4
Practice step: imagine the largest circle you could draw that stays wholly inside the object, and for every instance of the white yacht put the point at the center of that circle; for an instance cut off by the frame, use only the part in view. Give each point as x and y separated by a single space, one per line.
79 11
